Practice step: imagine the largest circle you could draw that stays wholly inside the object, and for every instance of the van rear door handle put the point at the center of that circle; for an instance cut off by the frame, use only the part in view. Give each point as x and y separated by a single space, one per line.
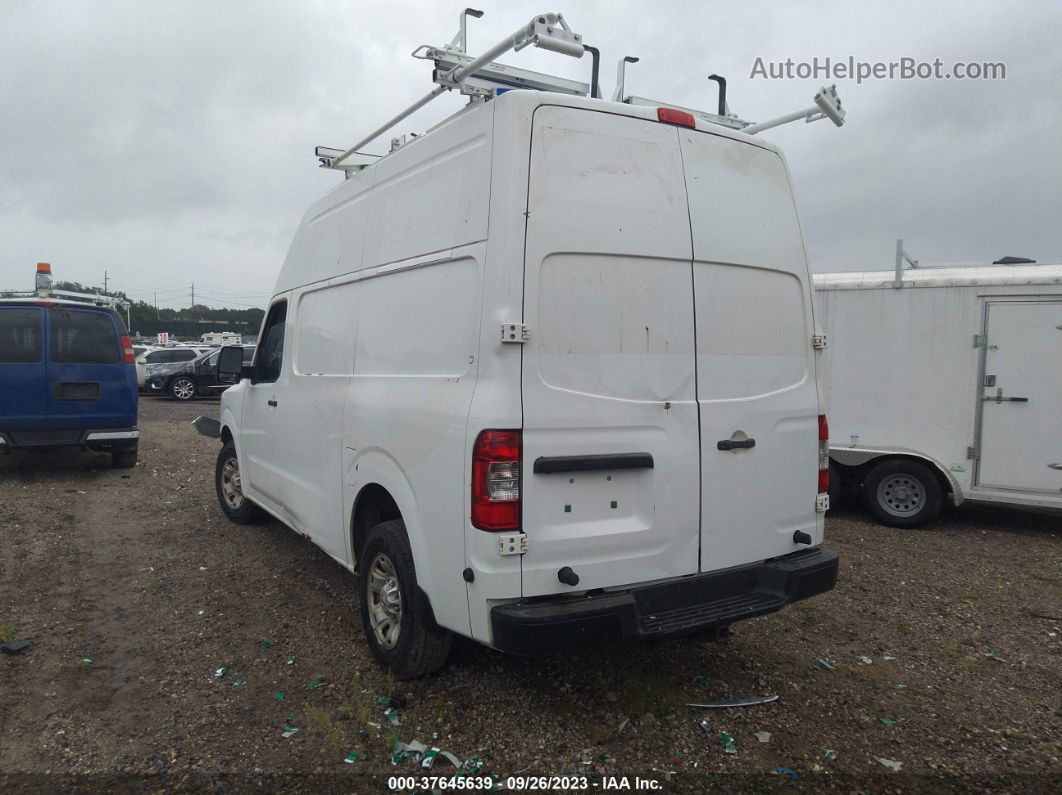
999 397
732 444
272 403
1055 466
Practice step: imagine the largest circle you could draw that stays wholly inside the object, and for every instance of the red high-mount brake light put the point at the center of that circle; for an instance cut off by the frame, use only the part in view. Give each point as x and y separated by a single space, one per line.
496 460
679 117
824 454
128 356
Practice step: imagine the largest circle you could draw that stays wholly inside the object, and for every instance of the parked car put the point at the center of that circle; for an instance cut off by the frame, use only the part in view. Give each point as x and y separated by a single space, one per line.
188 380
944 385
148 363
593 418
68 379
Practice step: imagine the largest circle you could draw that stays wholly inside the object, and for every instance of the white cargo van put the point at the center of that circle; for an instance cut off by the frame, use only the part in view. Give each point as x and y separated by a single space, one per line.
944 385
544 377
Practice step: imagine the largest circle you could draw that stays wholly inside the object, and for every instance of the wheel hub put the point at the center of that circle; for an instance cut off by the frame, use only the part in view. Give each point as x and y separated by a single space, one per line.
901 495
231 486
385 601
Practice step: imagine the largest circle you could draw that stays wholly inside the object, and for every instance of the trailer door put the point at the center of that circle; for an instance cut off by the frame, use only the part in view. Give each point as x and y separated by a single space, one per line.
1021 397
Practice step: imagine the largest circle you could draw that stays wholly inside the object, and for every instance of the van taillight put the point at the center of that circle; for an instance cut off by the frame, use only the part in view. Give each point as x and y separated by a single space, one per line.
127 351
824 454
496 480
672 116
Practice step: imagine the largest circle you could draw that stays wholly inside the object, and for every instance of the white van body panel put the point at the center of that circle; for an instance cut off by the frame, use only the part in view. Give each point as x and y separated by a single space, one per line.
397 284
904 372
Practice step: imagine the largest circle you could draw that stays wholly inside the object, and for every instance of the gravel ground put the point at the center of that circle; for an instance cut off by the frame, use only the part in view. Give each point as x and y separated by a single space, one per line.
943 648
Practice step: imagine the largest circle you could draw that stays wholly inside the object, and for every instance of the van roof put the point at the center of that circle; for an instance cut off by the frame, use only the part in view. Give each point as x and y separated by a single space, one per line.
532 99
963 276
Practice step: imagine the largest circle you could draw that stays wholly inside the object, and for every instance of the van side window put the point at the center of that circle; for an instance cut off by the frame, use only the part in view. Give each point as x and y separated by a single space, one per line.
271 350
79 337
20 335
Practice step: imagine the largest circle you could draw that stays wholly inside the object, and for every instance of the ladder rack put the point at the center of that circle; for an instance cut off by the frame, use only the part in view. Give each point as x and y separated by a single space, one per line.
482 78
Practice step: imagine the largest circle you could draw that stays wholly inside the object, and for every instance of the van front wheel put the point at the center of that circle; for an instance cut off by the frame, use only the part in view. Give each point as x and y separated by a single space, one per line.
397 620
903 493
229 487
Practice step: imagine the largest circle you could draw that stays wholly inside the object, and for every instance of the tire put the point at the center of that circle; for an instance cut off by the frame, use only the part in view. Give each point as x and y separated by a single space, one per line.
836 490
182 387
903 493
398 624
124 457
234 505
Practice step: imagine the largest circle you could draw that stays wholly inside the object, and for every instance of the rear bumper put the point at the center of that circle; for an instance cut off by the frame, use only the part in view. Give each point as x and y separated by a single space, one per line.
698 603
70 437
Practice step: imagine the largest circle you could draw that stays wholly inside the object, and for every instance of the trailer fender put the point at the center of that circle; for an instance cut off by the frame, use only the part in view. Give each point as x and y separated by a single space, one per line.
862 456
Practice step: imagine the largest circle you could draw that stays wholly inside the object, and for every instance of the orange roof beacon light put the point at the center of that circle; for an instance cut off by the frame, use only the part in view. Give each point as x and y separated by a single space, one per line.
44 278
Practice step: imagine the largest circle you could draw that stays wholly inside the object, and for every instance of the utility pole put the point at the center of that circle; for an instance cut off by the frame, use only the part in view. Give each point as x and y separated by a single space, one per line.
193 293
105 282
156 305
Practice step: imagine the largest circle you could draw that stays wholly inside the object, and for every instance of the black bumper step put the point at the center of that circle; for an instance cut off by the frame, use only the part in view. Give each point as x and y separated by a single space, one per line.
698 603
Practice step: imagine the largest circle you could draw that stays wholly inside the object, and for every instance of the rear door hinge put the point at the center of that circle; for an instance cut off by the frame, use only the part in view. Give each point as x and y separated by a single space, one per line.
512 544
822 503
516 333
979 340
971 453
818 341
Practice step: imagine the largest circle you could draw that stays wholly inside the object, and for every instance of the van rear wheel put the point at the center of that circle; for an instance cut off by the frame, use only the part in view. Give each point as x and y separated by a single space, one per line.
903 493
398 623
229 487
124 457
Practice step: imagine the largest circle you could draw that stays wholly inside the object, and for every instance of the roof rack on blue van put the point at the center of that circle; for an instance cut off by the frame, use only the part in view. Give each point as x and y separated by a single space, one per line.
43 290
482 79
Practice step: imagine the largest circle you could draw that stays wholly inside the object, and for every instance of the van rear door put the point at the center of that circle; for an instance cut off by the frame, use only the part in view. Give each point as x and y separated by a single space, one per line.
611 459
23 394
89 384
755 364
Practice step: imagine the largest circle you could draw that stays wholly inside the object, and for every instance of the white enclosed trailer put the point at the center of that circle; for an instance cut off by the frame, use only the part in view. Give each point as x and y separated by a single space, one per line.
944 384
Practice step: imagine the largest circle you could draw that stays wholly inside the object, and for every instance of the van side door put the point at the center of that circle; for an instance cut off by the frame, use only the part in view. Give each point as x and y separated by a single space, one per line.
262 456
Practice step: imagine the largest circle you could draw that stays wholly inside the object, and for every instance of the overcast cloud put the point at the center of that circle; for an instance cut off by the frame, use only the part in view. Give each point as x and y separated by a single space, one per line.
172 142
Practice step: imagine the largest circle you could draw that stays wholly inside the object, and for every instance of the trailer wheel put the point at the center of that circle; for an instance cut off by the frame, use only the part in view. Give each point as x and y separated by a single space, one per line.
903 493
393 614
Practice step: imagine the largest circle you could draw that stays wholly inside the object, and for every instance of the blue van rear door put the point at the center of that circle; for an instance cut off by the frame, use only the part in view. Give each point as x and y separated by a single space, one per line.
24 397
88 382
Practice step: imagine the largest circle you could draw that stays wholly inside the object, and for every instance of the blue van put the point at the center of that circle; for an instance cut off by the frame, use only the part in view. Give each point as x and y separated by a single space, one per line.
67 378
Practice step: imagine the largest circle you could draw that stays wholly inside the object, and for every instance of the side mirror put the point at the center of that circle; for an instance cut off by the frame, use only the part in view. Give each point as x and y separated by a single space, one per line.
230 365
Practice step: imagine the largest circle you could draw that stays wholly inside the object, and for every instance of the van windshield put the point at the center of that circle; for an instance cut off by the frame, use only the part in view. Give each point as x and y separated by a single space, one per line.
20 335
79 337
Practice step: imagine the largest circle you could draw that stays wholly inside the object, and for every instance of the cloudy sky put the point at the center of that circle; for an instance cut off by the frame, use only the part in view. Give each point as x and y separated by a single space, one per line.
172 142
